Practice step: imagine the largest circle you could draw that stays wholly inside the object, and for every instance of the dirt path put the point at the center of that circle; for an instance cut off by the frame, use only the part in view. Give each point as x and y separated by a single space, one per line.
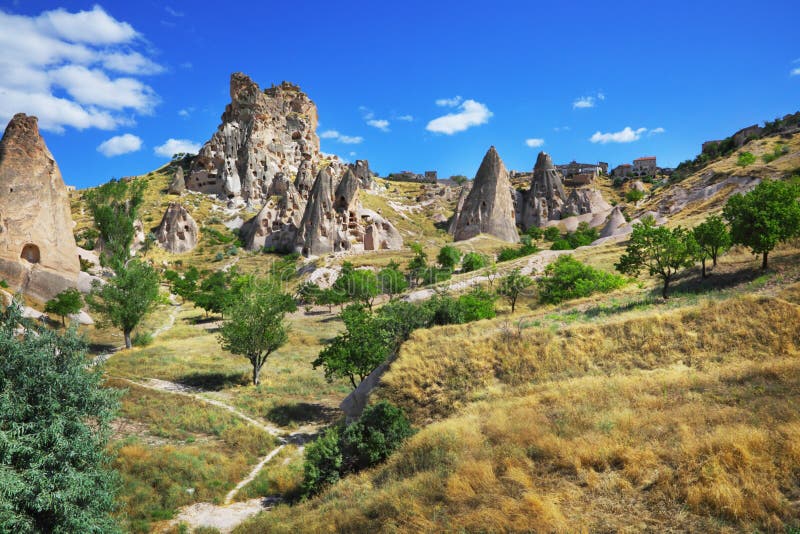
173 315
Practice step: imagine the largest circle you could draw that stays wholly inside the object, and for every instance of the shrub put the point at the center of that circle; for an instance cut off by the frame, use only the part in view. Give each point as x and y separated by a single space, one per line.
525 249
448 257
433 275
567 278
473 261
634 195
323 462
745 159
551 233
142 339
534 232
379 431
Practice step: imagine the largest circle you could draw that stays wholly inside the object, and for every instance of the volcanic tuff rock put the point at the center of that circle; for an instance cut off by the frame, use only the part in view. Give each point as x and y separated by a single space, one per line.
276 224
584 200
177 232
615 221
545 199
38 254
319 231
489 206
178 184
263 133
361 169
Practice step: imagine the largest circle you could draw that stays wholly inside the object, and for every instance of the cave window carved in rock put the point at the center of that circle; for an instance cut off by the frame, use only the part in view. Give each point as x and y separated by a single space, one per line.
31 254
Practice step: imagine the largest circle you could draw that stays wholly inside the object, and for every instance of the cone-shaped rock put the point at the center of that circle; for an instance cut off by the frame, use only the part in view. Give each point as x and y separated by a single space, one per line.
545 199
276 224
346 191
178 184
489 207
37 249
615 221
304 179
319 231
177 232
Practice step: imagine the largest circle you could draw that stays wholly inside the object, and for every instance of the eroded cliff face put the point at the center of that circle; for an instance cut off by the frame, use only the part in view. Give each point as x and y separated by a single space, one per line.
489 206
263 133
38 254
178 231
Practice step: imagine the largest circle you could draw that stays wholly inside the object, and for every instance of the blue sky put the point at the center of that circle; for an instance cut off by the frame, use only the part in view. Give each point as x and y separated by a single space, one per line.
113 81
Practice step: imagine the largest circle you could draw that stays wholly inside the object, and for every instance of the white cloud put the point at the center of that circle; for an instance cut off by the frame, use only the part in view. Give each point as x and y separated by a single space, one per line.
795 72
186 112
655 131
351 154
471 113
590 101
57 65
449 102
534 142
561 129
176 146
381 124
406 118
346 139
626 135
173 12
120 144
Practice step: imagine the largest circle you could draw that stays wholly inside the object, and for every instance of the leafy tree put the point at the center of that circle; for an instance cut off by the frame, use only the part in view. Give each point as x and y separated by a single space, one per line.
309 293
663 252
551 233
55 470
448 257
114 207
745 159
764 217
380 430
434 275
362 286
322 465
185 286
526 248
512 285
366 342
331 297
391 280
127 297
567 278
473 261
216 292
418 263
459 179
65 303
254 327
534 232
634 195
712 238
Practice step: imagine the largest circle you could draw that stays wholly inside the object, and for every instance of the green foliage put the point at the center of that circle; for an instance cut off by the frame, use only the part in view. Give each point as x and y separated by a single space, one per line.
534 232
114 207
127 297
254 327
185 286
418 263
434 275
779 150
142 339
712 238
459 179
659 250
359 285
634 195
309 293
331 297
285 268
474 261
367 341
54 427
582 236
380 430
65 303
218 291
745 159
448 257
323 461
473 306
370 440
526 248
391 280
764 217
567 278
551 233
215 237
512 285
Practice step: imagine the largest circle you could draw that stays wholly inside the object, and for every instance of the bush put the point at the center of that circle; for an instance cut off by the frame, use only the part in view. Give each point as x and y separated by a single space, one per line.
534 232
473 261
779 150
525 249
448 257
745 159
551 233
142 339
634 195
584 235
567 278
433 275
322 465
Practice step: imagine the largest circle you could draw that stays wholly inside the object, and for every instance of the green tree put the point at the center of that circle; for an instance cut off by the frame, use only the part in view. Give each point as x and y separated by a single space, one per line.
366 342
254 326
745 159
764 217
114 207
712 238
391 280
659 250
634 195
65 303
362 286
55 473
551 233
473 261
331 297
127 297
459 179
512 285
185 286
448 257
567 278
322 464
380 430
216 292
534 232
418 264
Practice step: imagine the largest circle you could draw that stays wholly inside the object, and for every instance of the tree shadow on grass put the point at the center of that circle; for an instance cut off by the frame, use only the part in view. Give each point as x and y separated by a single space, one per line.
301 413
214 381
693 283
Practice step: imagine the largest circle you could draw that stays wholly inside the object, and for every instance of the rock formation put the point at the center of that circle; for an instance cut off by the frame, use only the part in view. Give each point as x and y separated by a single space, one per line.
38 254
581 201
178 184
361 169
489 206
304 179
545 199
334 220
263 133
177 232
615 221
276 224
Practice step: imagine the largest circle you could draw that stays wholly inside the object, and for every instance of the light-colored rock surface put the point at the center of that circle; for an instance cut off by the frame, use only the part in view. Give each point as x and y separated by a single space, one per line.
263 133
178 184
178 231
545 199
489 206
275 226
585 200
679 197
616 220
38 255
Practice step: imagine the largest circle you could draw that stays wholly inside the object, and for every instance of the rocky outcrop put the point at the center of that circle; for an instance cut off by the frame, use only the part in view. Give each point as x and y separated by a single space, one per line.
334 220
304 179
275 226
460 201
263 133
582 201
38 255
489 206
362 171
177 232
178 183
616 220
545 199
